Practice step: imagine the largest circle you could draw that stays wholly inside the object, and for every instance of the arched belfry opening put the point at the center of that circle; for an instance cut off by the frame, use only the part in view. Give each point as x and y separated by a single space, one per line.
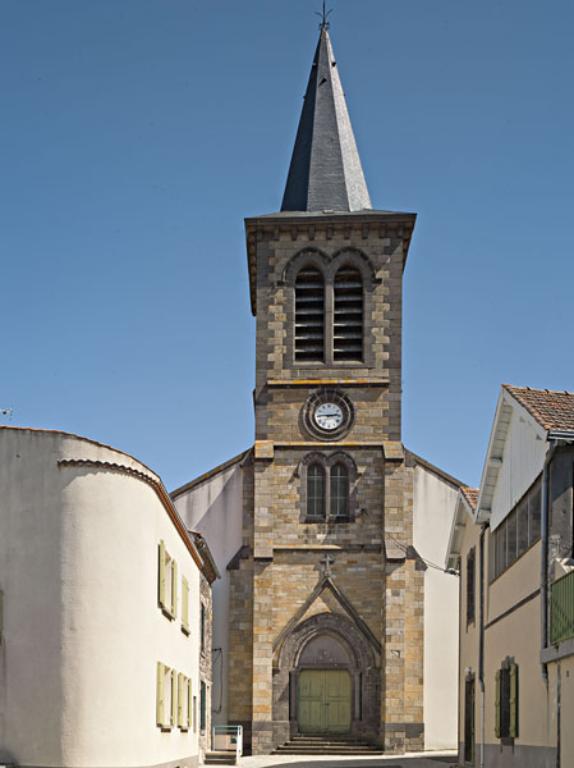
326 680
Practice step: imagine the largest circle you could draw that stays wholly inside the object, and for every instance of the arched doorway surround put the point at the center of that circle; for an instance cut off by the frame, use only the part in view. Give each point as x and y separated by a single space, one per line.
327 641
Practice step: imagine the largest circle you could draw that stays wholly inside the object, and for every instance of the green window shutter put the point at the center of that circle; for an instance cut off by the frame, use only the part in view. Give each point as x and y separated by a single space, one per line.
161 574
513 727
173 708
174 589
160 696
185 604
497 728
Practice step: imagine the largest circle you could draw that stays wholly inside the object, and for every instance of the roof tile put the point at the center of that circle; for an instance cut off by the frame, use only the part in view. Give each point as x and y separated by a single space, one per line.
553 410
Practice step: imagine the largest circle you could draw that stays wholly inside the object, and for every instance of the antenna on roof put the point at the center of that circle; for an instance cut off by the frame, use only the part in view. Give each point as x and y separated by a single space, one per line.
7 412
324 15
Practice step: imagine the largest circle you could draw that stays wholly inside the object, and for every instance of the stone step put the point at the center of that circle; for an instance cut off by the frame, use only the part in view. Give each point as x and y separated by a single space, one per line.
220 758
334 744
326 746
326 751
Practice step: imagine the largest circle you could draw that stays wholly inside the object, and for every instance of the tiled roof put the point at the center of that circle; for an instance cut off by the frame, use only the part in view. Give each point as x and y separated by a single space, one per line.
551 409
471 495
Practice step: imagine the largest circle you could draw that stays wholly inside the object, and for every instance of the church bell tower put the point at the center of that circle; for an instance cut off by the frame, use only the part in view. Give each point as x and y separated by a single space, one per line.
327 627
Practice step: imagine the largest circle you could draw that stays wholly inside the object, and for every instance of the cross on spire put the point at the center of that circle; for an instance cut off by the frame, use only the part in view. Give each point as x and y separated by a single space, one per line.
324 15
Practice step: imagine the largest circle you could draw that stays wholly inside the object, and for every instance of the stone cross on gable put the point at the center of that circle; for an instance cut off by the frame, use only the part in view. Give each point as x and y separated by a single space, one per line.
326 564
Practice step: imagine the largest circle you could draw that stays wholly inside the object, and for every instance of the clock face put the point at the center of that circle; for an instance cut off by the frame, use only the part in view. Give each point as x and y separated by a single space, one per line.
328 416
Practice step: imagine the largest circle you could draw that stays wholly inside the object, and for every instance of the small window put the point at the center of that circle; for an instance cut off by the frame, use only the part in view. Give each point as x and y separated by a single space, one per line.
348 317
195 714
167 587
185 606
316 491
203 708
470 585
203 629
469 718
310 316
506 701
339 490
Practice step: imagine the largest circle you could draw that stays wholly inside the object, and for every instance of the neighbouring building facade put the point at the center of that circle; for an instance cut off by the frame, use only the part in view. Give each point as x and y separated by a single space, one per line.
328 619
104 610
512 541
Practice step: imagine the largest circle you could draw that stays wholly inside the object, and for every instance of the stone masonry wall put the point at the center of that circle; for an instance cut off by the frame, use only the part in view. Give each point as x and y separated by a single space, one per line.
372 563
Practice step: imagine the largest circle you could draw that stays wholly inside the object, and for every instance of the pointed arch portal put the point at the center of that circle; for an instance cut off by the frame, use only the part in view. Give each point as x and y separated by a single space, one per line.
326 679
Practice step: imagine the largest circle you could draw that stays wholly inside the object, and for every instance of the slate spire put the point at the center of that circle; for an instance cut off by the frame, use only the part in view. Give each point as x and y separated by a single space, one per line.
325 172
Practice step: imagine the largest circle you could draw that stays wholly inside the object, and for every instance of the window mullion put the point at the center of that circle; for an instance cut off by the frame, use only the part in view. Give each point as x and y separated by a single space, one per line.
329 322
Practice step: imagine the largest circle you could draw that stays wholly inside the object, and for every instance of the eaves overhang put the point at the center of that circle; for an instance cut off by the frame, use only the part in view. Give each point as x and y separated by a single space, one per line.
317 226
506 406
463 516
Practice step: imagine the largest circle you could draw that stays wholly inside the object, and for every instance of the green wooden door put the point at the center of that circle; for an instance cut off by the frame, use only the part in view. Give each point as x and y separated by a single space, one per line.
324 701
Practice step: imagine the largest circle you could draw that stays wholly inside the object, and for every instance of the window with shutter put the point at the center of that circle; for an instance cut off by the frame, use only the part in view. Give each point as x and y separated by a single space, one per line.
348 315
513 701
203 629
506 724
174 589
202 708
173 700
310 316
185 605
167 582
497 724
161 574
160 696
181 699
469 716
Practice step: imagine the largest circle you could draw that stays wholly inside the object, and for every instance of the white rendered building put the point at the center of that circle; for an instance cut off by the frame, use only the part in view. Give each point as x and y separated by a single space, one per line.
100 613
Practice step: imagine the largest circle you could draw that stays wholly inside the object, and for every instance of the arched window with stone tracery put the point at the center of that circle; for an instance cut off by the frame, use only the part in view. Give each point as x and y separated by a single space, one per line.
316 491
339 496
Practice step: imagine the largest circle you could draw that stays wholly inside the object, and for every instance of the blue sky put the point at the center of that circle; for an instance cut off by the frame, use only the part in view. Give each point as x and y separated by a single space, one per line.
137 134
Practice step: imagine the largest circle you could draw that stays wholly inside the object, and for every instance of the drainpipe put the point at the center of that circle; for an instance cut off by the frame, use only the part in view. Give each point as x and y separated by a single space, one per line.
481 647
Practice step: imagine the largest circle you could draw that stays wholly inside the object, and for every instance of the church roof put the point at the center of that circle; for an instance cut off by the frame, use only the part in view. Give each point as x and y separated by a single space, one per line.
325 172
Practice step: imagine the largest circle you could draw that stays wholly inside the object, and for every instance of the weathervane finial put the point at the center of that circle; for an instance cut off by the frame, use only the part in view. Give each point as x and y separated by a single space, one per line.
324 14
